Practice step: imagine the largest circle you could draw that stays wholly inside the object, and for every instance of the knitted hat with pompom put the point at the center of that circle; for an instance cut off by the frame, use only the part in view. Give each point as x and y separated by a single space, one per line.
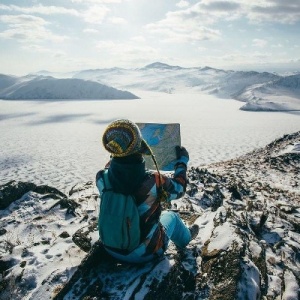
123 137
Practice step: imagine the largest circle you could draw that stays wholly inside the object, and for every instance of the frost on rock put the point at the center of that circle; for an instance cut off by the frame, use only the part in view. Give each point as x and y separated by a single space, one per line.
247 247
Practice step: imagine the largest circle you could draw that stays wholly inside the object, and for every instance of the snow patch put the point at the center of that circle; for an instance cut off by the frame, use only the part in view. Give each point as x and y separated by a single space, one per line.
223 237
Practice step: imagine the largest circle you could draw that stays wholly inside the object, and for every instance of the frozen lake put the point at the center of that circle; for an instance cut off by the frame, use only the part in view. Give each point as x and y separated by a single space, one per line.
59 142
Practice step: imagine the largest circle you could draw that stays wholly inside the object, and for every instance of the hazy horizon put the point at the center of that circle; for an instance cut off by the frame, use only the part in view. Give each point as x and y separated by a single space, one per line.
279 70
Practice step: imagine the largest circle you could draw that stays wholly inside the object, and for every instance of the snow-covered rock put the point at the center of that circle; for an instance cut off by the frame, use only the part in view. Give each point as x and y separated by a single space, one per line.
248 245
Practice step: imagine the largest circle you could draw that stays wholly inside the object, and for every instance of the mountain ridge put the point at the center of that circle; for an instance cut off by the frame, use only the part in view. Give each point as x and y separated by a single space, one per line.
238 85
160 65
261 91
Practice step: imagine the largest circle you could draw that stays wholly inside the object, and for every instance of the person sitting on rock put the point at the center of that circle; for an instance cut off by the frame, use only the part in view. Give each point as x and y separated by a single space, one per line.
126 174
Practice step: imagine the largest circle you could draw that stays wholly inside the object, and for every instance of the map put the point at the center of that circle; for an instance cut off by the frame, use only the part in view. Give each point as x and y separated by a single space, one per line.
162 138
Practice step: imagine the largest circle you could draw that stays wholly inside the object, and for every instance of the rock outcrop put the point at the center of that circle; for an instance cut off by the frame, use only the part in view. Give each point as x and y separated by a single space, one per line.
248 246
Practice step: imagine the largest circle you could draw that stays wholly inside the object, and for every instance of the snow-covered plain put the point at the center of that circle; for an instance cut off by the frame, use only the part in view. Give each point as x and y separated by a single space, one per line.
59 142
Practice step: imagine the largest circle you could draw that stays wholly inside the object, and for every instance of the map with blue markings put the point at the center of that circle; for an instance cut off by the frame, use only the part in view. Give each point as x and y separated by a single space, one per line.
162 138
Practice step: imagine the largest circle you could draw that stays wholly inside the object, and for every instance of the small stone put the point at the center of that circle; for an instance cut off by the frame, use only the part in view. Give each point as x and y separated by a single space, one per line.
23 264
64 235
2 231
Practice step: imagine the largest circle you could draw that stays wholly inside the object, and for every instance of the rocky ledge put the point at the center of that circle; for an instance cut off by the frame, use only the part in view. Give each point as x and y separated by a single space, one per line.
248 246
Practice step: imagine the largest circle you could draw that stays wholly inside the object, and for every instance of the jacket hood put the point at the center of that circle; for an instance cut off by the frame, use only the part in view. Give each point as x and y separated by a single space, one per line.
126 175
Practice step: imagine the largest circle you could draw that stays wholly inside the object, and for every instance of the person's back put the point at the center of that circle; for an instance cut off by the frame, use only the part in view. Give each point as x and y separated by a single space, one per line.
127 175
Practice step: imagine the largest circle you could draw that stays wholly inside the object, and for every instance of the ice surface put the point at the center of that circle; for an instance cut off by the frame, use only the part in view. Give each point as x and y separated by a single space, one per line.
59 142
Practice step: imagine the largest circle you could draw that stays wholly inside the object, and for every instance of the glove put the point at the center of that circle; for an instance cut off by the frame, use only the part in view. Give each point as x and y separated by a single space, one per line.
182 155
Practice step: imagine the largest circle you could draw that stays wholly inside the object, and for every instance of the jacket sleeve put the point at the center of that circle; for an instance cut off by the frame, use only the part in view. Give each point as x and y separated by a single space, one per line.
176 186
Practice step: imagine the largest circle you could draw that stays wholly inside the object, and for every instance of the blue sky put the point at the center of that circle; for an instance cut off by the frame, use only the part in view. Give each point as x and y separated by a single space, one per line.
71 35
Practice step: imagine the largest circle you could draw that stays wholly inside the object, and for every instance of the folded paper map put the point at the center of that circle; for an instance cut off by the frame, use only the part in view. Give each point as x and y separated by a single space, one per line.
162 138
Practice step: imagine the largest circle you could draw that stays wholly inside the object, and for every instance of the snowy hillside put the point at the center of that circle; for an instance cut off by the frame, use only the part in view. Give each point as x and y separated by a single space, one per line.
276 95
233 83
41 87
240 85
248 246
155 77
6 81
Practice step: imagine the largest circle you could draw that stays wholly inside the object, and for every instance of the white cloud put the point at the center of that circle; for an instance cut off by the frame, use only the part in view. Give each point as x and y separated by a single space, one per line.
34 48
192 24
40 9
5 7
27 27
118 21
238 59
97 1
195 23
182 4
275 11
95 14
277 45
105 45
139 39
201 48
26 20
295 60
59 54
221 6
259 43
180 28
90 30
211 11
127 53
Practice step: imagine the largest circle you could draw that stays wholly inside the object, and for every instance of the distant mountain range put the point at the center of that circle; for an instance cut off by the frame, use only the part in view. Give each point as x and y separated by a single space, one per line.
260 90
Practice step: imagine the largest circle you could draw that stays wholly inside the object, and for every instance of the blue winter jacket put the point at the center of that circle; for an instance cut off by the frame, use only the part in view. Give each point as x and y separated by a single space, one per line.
129 176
